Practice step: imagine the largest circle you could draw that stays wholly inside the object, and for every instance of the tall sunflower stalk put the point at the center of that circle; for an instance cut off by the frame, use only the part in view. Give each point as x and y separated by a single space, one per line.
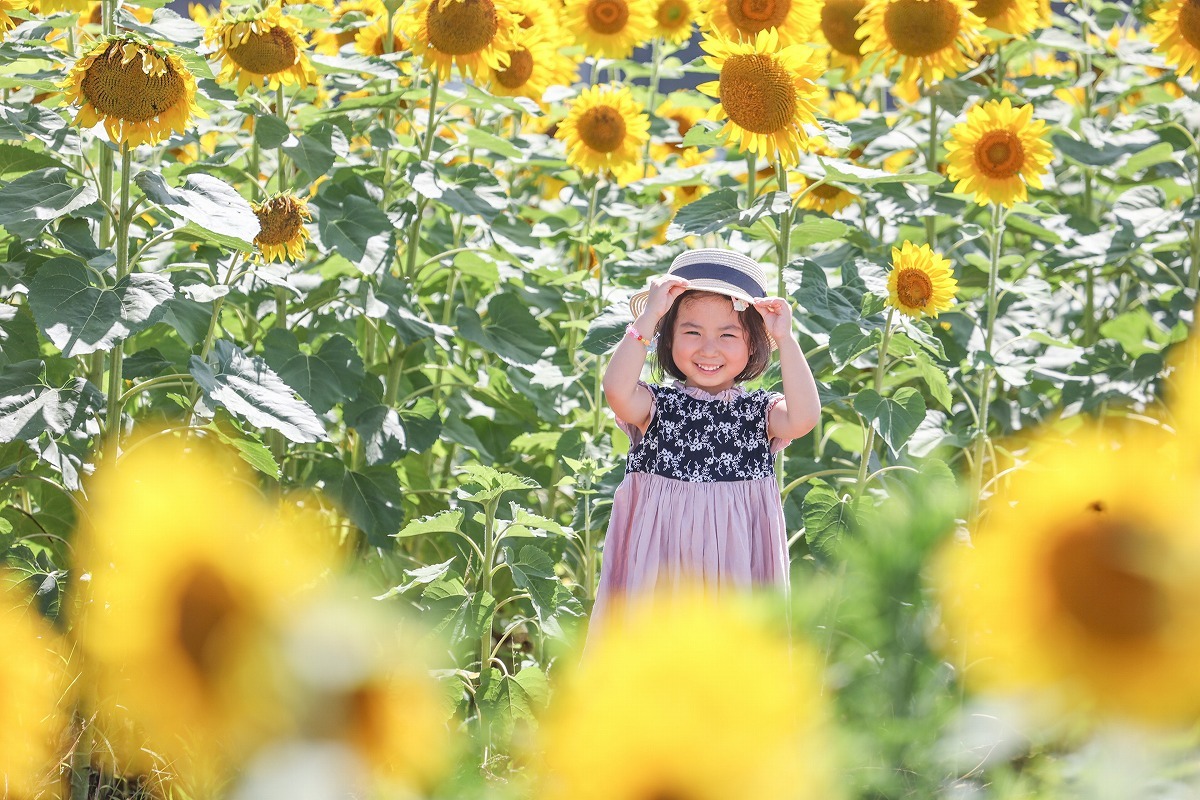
986 378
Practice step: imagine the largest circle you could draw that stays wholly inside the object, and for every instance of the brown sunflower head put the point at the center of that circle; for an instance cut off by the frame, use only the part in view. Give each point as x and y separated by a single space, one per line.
462 27
117 85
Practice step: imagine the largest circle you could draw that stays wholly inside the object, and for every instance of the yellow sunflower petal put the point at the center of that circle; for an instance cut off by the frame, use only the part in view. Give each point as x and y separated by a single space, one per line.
997 152
921 282
605 130
929 39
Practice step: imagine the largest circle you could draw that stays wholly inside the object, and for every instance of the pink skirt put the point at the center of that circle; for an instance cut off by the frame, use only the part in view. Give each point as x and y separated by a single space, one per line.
727 535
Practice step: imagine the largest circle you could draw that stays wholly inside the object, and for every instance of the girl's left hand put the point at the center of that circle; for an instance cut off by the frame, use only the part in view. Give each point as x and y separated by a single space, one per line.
777 314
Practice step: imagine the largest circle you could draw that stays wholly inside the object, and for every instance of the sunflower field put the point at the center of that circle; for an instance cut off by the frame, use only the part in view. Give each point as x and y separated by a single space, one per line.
305 462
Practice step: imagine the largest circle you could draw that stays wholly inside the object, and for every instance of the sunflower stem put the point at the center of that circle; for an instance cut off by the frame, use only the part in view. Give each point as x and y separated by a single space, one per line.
112 421
414 231
785 227
985 387
931 164
281 181
881 363
751 177
655 55
1194 273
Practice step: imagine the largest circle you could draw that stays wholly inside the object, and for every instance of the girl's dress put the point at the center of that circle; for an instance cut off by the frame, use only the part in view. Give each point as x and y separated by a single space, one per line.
699 501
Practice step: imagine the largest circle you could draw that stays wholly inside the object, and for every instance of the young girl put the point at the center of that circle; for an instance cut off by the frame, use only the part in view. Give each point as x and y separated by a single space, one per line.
700 501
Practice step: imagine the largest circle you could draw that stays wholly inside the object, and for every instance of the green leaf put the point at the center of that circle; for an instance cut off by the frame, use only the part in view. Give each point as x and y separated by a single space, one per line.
847 342
493 482
935 379
29 406
894 418
443 522
482 140
509 331
357 230
372 498
270 131
847 172
815 230
469 189
607 329
34 200
1095 155
252 451
18 335
421 576
324 378
80 317
14 160
721 209
533 571
827 518
247 388
461 616
392 301
206 202
525 523
507 702
316 151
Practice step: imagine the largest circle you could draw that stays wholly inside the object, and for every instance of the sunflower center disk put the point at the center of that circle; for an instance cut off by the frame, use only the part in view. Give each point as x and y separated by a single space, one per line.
126 92
1189 22
266 53
999 154
991 8
827 191
672 13
607 16
206 606
753 16
397 45
914 288
839 25
279 220
602 129
1098 575
520 67
757 93
462 27
918 28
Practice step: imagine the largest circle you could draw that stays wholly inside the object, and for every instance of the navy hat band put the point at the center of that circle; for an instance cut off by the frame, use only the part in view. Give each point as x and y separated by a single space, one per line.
720 272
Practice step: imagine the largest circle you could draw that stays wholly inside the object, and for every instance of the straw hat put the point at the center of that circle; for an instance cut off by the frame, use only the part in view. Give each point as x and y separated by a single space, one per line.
711 269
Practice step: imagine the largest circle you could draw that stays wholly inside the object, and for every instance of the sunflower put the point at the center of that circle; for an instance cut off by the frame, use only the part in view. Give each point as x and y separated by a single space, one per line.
260 48
827 198
346 20
47 7
544 16
684 116
610 28
187 598
839 28
605 129
474 34
1183 393
767 93
369 39
638 719
673 20
997 151
534 65
1176 31
7 23
1083 582
921 281
32 722
931 39
1018 17
743 20
140 92
282 235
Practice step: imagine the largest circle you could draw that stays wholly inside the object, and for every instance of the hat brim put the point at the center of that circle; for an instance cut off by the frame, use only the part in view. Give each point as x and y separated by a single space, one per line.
637 303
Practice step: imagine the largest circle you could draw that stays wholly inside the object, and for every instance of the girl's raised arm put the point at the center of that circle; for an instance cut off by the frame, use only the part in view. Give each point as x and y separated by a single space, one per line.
629 401
798 412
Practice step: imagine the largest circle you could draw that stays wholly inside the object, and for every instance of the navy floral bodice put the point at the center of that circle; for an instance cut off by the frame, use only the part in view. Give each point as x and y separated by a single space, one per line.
702 440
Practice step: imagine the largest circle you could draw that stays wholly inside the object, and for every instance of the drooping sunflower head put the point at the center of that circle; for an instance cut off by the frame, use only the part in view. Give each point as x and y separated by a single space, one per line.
1176 31
605 131
1018 17
839 28
534 65
140 92
627 724
930 39
282 235
260 47
610 28
921 282
1082 585
767 94
474 34
347 19
743 20
997 152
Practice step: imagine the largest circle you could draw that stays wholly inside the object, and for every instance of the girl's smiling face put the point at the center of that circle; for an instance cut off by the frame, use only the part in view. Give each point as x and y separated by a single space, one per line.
710 346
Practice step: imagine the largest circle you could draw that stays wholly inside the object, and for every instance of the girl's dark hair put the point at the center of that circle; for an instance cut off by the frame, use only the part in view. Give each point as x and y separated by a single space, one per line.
752 323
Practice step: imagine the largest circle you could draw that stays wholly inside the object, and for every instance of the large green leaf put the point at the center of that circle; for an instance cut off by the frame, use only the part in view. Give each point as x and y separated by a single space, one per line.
493 482
372 498
721 209
316 150
469 189
815 230
459 615
80 317
392 301
508 702
250 390
533 571
18 335
847 342
443 522
29 406
204 201
847 172
828 517
894 418
16 160
607 329
509 331
356 229
34 200
325 378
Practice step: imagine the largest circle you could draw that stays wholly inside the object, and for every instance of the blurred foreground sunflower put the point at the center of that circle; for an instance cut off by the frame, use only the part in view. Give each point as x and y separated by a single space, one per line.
609 28
921 282
997 152
767 94
1081 588
1176 31
691 697
140 92
474 34
260 47
743 20
193 575
282 235
35 691
929 39
605 130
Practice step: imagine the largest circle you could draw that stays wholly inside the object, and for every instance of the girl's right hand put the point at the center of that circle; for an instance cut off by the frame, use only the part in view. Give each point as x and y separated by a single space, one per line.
664 289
